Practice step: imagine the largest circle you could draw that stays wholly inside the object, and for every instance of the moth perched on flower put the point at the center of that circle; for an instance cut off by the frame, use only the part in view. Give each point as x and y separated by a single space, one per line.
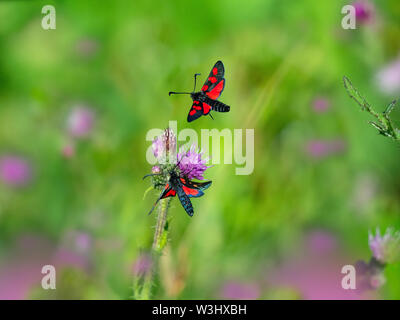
174 171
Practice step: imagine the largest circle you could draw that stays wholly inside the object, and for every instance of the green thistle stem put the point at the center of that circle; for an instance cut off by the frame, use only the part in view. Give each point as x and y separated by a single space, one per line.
161 232
143 292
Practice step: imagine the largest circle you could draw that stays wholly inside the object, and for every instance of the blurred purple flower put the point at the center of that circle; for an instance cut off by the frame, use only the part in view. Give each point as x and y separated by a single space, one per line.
68 151
78 241
322 148
388 78
164 146
314 274
83 241
386 248
240 291
191 163
80 121
87 47
321 104
364 11
66 257
15 171
142 264
369 275
21 270
320 241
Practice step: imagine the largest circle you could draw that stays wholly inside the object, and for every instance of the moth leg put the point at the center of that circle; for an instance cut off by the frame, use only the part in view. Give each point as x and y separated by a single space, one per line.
163 193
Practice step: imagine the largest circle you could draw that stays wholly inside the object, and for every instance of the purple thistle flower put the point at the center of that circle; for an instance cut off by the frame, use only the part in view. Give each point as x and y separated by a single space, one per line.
80 121
386 248
15 171
164 145
191 163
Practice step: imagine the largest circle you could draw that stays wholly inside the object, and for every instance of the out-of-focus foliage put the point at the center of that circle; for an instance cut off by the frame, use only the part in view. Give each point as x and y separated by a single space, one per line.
76 104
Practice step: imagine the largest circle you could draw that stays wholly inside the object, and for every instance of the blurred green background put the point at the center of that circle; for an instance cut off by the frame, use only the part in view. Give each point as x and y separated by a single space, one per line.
323 177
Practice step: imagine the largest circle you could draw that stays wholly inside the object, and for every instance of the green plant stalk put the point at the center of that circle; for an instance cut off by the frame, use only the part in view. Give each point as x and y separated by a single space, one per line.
143 292
161 232
383 122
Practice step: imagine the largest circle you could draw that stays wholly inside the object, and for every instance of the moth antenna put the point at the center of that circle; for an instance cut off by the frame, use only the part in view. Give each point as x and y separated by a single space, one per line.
195 76
150 175
172 92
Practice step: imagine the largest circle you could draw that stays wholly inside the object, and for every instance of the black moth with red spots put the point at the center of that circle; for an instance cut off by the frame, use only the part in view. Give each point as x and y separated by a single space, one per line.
184 188
206 100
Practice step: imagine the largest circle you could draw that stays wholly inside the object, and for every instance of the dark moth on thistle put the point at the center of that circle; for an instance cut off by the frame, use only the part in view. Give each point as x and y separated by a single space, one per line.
205 100
174 172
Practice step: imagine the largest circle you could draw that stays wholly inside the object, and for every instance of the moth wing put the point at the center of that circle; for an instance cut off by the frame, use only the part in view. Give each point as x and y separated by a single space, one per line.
196 111
215 82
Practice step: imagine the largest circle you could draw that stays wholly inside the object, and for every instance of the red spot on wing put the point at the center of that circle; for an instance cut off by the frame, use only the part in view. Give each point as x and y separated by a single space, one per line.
190 191
214 71
204 88
212 79
170 193
216 91
192 112
206 108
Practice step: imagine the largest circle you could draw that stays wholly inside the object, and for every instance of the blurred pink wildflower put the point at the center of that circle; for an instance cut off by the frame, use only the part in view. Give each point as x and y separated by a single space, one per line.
80 121
15 171
388 78
321 104
240 291
385 248
322 148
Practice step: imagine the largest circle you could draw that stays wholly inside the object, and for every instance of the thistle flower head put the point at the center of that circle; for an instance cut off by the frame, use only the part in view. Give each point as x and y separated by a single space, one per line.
191 163
186 163
385 248
164 146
